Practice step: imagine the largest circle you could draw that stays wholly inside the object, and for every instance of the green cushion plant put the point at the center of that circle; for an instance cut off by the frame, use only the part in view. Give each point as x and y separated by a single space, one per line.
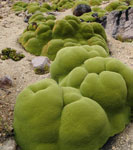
40 18
19 6
105 80
62 4
40 40
84 111
61 121
33 7
116 5
95 2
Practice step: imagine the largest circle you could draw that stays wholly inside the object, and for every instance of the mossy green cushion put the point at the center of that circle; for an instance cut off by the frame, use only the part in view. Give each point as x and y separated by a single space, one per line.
19 6
105 80
95 2
33 41
70 30
115 5
62 4
39 17
33 7
50 117
61 121
112 78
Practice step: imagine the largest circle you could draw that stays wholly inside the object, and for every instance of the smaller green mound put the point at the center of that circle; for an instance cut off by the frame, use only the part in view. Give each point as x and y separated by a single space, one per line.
19 6
116 5
33 40
9 53
128 2
31 7
40 18
34 7
62 4
101 12
95 2
45 7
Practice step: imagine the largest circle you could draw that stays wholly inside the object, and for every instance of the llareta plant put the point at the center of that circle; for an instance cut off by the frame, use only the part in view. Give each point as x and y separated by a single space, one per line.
48 38
88 101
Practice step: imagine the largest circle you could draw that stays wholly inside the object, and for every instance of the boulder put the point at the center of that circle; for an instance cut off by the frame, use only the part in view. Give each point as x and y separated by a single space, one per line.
41 64
5 82
81 9
120 24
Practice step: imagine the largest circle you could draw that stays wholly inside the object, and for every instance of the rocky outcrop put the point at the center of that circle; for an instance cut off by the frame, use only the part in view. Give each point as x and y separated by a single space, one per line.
120 24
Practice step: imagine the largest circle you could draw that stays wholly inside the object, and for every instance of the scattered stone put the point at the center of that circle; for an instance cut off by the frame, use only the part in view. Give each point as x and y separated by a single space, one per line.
1 17
5 82
120 24
8 145
81 9
27 17
130 57
41 64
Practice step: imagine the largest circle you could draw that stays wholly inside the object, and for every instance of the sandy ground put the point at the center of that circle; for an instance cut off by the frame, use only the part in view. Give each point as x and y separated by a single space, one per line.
22 74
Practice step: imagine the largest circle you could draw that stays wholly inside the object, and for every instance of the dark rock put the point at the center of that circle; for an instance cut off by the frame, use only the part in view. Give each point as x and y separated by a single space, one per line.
120 24
81 20
101 20
81 9
5 82
26 19
1 17
95 15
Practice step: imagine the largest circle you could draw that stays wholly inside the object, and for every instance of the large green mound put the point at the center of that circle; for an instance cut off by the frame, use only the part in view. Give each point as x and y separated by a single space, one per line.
48 38
48 116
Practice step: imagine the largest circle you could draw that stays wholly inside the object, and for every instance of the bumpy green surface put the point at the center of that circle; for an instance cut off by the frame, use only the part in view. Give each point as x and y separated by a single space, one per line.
38 33
105 80
31 7
62 4
61 121
98 78
67 120
40 18
55 45
129 2
45 38
19 6
95 2
116 5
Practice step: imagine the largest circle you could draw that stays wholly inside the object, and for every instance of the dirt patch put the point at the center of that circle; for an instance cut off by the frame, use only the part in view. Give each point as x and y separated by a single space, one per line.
21 72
